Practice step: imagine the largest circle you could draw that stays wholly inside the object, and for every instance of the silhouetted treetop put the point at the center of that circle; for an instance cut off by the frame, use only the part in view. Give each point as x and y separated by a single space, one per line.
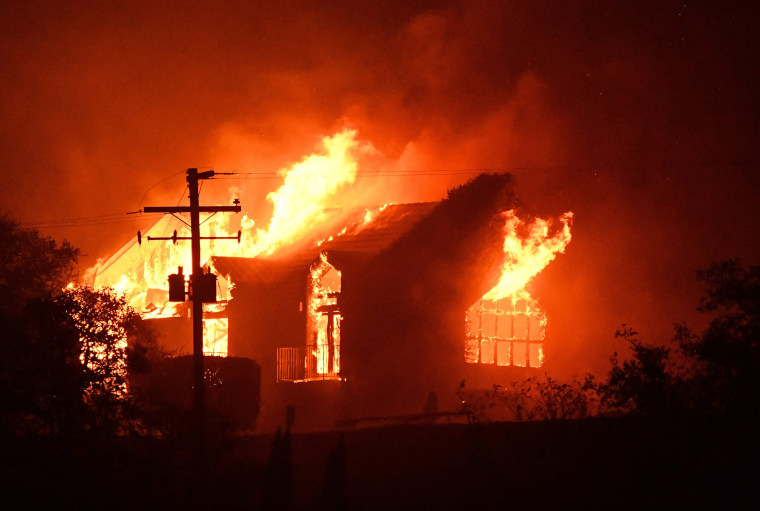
63 350
716 372
31 265
731 288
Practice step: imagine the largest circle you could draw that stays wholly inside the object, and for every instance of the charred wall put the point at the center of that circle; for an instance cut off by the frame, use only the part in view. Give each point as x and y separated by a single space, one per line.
403 327
264 317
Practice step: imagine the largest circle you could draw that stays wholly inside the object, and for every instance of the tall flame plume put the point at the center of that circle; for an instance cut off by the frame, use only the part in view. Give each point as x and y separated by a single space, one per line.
507 327
526 256
298 206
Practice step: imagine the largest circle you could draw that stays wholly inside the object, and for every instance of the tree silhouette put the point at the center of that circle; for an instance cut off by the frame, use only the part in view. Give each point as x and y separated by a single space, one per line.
63 352
642 384
727 354
31 266
103 321
716 372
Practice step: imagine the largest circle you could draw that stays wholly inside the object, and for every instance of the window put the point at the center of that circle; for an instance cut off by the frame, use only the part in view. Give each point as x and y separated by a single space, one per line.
506 332
215 336
323 318
319 358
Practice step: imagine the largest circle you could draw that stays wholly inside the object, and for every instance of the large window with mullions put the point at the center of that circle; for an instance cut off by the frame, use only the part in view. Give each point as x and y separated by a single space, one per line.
505 332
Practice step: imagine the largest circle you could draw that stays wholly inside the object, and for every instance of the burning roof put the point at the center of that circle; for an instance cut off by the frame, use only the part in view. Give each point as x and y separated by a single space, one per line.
138 261
365 235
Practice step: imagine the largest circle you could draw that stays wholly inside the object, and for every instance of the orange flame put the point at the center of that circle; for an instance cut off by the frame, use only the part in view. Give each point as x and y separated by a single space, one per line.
507 327
142 272
525 257
299 202
323 327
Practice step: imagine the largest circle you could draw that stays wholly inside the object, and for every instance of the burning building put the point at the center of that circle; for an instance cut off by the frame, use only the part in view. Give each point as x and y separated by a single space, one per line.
370 315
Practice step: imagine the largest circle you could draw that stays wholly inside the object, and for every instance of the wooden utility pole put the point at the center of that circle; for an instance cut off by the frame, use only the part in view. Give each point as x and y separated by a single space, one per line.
193 176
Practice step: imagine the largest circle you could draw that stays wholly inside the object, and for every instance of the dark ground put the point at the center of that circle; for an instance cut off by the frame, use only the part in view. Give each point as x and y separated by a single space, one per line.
596 463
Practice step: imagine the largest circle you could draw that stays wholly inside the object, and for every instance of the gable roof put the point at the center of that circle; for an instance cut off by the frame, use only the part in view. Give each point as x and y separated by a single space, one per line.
360 241
130 259
389 225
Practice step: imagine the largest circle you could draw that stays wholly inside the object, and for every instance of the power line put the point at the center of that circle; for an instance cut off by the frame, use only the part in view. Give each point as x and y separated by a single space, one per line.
412 173
81 218
119 218
116 218
261 175
86 221
476 171
156 184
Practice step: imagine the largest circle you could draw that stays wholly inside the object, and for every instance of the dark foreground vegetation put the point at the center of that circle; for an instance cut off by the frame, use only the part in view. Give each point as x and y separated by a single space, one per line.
673 424
611 463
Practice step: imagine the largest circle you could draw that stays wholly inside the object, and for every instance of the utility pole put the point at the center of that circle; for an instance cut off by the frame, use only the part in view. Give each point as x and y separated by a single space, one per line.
193 176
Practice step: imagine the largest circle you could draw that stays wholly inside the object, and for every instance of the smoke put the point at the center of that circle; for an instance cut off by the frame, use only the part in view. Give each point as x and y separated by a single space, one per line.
641 119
